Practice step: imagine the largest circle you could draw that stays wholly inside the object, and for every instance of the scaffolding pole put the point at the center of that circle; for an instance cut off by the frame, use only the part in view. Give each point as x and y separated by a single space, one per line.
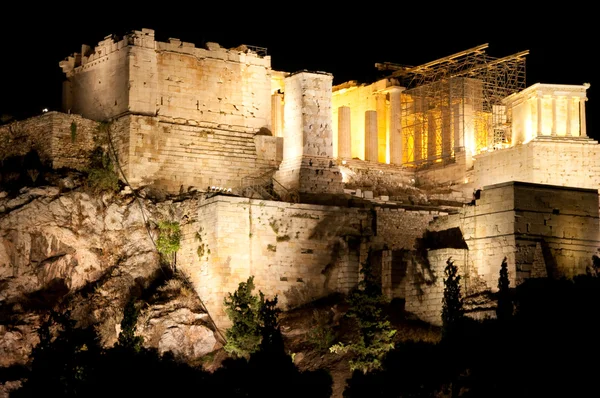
454 104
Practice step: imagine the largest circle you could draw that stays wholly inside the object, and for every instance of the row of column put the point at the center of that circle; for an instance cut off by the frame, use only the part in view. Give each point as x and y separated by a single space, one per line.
373 121
569 133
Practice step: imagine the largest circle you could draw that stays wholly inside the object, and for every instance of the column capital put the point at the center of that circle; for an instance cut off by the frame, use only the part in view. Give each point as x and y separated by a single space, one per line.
391 90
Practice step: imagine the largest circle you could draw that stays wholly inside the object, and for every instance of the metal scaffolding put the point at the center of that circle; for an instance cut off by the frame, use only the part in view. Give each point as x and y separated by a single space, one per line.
454 104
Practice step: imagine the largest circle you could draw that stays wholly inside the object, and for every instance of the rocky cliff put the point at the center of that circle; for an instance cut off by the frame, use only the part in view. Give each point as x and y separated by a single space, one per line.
64 248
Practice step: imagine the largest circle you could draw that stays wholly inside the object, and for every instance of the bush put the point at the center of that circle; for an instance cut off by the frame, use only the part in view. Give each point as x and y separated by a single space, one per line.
169 239
320 335
255 322
101 174
375 330
242 307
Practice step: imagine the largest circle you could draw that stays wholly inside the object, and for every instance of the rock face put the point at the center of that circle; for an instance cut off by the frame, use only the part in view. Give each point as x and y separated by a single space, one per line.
71 250
175 321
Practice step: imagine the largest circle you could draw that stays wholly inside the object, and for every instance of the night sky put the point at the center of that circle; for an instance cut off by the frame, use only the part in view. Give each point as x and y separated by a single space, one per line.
346 41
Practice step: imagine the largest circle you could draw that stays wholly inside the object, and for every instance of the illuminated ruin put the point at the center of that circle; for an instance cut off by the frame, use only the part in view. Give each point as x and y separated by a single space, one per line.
187 118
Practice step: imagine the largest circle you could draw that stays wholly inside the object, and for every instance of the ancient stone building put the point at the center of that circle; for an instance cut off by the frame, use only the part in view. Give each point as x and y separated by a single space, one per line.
320 174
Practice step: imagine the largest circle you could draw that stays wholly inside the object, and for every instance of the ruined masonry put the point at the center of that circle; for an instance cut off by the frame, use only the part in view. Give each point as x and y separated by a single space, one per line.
426 164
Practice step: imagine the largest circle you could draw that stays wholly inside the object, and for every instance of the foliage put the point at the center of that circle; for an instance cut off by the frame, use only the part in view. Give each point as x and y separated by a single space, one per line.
243 307
73 131
321 335
268 319
375 332
260 366
62 365
169 239
127 337
101 174
452 303
255 321
504 310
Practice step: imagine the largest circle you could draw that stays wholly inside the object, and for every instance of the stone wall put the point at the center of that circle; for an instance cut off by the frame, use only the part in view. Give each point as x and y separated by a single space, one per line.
564 221
381 178
399 229
97 80
425 283
228 88
455 172
171 155
299 252
397 236
540 229
61 140
269 148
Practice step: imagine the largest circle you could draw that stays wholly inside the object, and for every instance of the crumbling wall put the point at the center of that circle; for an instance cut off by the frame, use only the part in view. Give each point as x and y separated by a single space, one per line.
381 178
454 173
296 251
399 228
60 140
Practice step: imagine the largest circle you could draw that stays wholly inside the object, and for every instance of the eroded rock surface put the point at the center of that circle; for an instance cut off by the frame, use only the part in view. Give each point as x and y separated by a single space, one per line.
88 254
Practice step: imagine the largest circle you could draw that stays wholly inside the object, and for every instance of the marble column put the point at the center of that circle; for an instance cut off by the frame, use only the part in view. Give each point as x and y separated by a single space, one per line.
554 117
277 114
396 150
344 133
371 141
381 104
539 115
582 128
569 133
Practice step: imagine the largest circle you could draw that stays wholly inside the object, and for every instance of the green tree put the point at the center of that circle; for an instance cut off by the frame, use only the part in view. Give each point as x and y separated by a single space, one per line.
243 308
504 310
452 303
268 320
375 333
128 338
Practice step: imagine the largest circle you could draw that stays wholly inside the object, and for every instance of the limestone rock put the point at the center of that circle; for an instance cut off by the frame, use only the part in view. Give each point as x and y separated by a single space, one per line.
175 322
88 254
16 341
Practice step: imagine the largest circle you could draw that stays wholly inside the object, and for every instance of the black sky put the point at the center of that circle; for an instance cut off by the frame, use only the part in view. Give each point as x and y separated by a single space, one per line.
346 41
